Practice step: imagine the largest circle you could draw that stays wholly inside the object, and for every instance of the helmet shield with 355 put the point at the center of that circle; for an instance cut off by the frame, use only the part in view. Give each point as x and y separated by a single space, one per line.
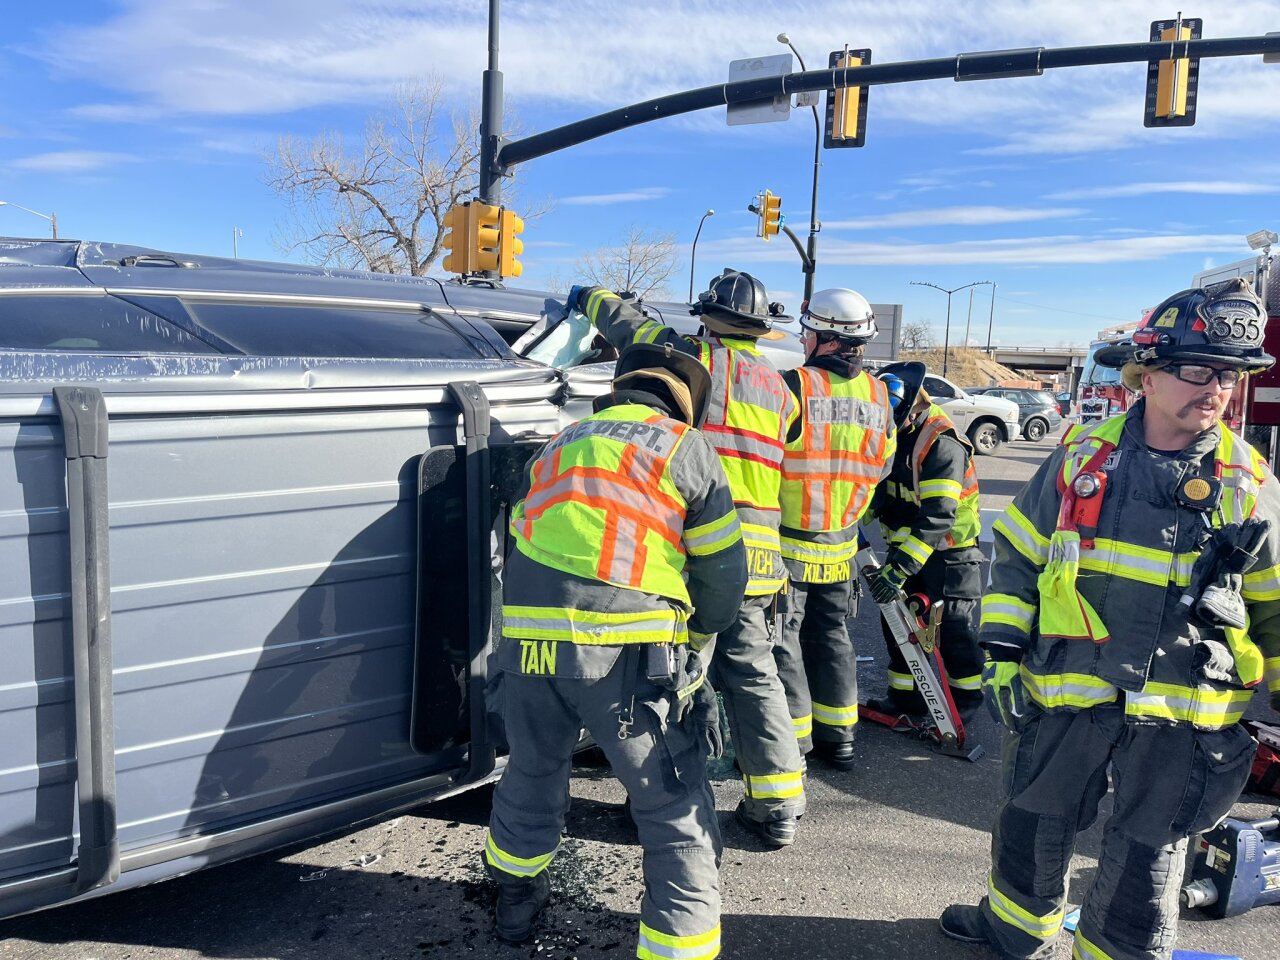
1222 323
842 312
736 304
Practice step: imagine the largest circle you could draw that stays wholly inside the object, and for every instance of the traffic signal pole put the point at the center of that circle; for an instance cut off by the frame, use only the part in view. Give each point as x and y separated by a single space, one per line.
491 124
988 65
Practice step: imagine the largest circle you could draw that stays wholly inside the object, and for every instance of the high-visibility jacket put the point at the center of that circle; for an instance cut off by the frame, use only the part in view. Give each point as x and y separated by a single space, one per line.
750 413
629 517
1096 610
929 501
831 468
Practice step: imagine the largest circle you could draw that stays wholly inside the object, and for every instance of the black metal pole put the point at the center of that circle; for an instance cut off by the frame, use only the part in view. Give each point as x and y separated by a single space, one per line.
987 65
946 336
968 322
811 254
491 126
693 251
491 118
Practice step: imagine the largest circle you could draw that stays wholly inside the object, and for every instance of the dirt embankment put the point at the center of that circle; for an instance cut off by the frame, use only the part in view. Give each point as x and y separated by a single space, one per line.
967 368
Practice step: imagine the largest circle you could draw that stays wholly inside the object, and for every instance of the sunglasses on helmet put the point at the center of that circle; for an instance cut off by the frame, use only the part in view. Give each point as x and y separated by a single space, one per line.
1200 374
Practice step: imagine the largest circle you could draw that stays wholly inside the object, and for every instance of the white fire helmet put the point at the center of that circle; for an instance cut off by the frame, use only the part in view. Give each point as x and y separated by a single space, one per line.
842 312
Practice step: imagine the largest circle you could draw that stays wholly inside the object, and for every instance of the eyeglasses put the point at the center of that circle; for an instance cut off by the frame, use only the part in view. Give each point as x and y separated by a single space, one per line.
1201 375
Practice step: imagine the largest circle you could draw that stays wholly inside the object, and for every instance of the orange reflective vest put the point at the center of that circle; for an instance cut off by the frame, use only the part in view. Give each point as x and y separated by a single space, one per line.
831 470
602 504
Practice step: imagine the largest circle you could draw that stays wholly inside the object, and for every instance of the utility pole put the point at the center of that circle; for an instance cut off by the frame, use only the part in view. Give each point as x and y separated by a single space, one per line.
991 317
491 126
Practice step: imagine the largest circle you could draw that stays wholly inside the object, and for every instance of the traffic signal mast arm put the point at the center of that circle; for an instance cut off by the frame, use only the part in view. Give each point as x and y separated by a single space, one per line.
988 65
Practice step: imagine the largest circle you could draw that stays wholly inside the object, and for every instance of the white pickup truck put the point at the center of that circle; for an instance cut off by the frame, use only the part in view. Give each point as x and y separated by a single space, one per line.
986 421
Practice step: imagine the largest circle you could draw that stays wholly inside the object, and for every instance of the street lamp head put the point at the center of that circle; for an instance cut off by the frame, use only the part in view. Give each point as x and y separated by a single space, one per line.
783 38
709 213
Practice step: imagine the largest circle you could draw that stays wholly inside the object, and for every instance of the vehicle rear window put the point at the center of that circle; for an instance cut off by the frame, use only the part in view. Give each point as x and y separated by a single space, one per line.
287 330
1040 396
98 324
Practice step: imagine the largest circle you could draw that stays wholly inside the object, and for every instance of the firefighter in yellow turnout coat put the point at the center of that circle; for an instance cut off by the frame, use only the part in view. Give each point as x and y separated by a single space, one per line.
1134 607
749 415
627 541
836 453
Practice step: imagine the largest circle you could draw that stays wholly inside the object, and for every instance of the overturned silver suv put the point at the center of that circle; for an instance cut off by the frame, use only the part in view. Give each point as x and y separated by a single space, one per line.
251 523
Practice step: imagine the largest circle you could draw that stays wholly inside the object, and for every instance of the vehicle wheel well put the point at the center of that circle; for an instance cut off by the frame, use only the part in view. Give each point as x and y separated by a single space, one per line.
1000 426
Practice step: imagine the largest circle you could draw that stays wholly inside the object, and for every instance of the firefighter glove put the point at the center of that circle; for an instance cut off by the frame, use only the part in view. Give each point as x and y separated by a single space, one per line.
705 717
886 584
574 301
1005 696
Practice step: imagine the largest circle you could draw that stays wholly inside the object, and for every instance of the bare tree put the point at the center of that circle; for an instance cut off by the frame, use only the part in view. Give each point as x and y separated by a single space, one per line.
380 207
917 335
642 263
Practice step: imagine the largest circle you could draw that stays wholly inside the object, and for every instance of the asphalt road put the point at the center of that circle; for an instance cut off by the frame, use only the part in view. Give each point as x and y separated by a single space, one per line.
882 850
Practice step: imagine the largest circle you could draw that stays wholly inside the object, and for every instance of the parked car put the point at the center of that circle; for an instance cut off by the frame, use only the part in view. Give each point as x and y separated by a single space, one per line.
249 520
1038 414
1064 404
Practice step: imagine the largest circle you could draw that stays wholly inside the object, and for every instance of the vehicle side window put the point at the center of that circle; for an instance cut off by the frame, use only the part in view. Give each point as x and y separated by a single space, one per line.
939 388
98 324
288 330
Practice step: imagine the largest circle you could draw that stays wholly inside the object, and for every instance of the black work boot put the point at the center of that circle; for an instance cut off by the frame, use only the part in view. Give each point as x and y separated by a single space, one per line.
776 833
838 755
966 923
519 903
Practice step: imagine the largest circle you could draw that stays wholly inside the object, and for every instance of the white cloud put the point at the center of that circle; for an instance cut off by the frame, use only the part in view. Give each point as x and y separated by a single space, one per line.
1207 187
1019 251
953 216
218 57
72 161
606 199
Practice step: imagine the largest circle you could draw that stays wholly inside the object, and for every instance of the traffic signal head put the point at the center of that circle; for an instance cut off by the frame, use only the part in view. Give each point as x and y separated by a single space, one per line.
846 124
771 211
1171 83
488 235
457 239
510 245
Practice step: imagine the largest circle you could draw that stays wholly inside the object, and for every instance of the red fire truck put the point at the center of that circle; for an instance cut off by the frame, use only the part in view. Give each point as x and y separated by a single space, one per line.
1258 405
1101 392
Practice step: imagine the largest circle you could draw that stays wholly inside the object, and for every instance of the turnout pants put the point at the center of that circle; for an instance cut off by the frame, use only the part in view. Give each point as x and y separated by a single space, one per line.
662 765
952 578
817 664
743 671
1170 781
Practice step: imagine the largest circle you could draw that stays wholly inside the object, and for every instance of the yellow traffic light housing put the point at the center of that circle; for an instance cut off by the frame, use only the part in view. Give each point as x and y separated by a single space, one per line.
1171 83
459 239
488 235
847 106
771 215
510 245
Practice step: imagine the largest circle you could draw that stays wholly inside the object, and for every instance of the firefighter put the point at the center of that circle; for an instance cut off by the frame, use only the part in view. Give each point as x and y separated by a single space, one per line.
928 511
626 542
750 413
1117 638
835 455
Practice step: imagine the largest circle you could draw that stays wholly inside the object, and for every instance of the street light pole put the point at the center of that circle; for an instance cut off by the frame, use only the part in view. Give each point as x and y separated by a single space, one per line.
946 337
991 317
51 217
693 252
811 265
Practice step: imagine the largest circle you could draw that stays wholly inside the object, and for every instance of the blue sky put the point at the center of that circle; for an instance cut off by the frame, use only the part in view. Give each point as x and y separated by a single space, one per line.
149 123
